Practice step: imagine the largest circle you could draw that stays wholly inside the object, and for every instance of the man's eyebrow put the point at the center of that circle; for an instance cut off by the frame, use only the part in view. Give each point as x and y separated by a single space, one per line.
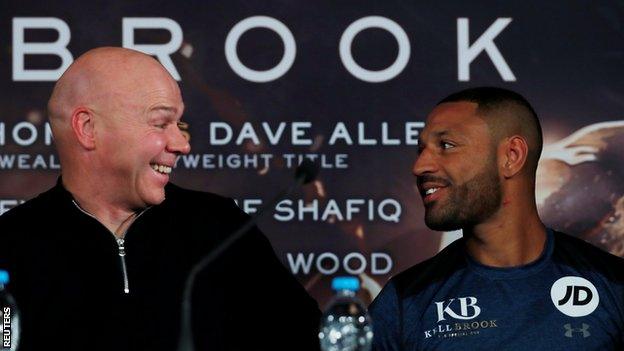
442 133
438 135
458 136
169 110
165 108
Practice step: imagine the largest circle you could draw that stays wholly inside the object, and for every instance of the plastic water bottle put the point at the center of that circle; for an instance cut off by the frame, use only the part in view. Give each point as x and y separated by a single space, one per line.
9 317
346 325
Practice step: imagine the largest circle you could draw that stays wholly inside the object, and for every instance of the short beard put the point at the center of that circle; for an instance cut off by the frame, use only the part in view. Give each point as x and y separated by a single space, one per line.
468 204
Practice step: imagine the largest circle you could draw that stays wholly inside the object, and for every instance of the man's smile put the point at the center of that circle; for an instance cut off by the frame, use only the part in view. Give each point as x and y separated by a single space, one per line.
160 168
432 193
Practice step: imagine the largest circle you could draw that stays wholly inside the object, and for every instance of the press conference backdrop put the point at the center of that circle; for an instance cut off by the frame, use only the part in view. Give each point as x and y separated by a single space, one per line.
348 83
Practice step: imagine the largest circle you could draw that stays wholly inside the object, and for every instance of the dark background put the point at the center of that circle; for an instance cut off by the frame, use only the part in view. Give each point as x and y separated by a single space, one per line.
567 56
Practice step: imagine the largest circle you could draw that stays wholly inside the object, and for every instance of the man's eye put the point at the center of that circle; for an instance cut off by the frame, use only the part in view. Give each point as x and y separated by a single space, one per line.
183 125
446 145
161 125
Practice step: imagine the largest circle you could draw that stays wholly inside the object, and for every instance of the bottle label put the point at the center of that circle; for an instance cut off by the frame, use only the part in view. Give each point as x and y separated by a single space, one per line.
5 327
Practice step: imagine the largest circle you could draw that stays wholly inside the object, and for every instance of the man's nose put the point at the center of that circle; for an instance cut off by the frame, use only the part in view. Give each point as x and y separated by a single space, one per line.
178 143
425 163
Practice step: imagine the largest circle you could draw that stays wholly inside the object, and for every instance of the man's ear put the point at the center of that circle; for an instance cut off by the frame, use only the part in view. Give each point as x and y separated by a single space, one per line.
83 125
515 153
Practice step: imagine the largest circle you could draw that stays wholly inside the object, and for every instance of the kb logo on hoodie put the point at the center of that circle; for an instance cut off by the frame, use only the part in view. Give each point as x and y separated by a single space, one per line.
467 306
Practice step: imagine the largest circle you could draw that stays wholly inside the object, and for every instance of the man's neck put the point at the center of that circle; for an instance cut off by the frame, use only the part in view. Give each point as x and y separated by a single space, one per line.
115 218
507 240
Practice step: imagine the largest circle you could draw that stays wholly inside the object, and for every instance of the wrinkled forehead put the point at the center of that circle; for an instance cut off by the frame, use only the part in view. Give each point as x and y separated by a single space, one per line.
455 118
142 77
144 90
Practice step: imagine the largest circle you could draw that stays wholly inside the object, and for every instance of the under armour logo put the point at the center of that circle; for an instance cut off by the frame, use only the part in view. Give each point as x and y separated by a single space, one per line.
570 330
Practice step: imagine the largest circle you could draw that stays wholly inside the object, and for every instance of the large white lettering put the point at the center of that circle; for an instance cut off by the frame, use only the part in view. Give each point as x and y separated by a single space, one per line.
374 22
231 55
161 51
21 48
466 53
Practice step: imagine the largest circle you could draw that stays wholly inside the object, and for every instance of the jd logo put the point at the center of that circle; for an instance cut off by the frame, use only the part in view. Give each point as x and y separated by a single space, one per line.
574 296
576 291
465 304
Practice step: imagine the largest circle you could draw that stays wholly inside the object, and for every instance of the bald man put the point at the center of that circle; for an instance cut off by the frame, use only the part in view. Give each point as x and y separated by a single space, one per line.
99 261
510 283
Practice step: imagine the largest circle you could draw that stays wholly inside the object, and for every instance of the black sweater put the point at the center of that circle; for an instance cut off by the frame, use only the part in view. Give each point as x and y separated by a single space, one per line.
68 279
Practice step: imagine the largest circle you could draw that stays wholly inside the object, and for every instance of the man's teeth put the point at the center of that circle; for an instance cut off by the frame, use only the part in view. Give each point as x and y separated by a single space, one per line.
431 191
161 168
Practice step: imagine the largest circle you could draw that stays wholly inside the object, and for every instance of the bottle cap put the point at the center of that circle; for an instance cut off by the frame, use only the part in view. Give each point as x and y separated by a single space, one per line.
4 277
346 283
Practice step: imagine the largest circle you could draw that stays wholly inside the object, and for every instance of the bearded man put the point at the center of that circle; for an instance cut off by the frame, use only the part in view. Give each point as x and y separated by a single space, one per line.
510 283
99 261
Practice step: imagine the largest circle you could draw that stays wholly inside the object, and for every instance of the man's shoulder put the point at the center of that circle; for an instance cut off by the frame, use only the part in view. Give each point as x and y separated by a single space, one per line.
199 204
24 223
187 197
583 256
409 284
31 209
434 270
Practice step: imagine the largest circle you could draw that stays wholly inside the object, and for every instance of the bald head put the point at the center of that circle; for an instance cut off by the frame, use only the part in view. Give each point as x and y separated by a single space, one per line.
506 113
100 80
96 75
115 114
